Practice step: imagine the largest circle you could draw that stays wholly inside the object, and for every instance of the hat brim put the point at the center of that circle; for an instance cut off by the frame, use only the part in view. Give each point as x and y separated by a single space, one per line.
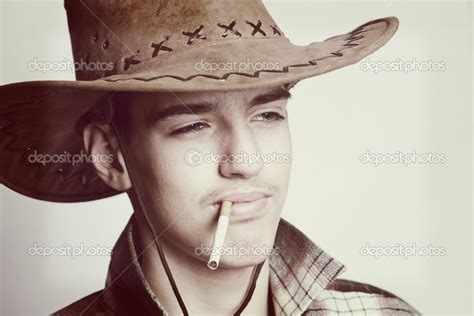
40 117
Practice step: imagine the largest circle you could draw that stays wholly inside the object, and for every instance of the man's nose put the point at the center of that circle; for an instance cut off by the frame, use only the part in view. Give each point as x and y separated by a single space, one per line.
240 154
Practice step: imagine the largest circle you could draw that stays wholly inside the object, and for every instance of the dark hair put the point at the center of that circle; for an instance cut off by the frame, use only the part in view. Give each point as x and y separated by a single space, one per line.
109 109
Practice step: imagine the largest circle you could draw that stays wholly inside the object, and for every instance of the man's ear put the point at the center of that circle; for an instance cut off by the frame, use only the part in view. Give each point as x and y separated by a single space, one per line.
101 143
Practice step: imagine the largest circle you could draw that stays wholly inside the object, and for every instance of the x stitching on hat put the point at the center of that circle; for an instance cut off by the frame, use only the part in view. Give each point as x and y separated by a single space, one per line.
275 29
195 35
256 28
160 46
229 29
132 60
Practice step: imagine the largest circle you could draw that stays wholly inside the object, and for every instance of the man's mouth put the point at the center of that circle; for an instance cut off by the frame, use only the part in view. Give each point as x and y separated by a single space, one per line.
245 205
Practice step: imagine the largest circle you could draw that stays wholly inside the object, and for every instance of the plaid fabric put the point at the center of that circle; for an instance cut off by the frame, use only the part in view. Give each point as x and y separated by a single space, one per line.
303 281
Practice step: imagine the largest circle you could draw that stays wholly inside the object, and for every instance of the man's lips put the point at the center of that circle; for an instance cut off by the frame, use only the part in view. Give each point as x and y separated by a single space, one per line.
242 197
245 206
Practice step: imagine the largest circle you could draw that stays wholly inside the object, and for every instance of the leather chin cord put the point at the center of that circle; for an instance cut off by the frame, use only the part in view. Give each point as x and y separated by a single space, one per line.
155 236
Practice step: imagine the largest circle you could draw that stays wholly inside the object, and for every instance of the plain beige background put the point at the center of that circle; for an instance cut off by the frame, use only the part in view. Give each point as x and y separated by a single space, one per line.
335 199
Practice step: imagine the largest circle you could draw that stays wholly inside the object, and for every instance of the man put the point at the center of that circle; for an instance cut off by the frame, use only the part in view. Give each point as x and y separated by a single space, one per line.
153 111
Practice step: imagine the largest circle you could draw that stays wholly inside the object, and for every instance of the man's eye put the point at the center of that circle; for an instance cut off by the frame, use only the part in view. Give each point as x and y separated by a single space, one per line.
269 117
191 128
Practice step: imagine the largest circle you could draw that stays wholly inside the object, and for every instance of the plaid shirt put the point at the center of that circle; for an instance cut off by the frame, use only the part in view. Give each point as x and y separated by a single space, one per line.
303 281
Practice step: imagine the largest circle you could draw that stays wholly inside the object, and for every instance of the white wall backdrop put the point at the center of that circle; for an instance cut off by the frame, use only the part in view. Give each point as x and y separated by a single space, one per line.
340 202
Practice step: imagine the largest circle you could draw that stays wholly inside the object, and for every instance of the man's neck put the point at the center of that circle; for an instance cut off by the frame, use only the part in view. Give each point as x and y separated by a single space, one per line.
204 292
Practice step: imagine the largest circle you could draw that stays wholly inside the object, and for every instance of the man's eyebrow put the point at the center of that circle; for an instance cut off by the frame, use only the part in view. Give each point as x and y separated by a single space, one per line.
270 97
183 109
201 108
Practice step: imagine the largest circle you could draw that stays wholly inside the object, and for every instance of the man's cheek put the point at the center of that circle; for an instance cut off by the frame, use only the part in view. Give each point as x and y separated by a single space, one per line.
276 155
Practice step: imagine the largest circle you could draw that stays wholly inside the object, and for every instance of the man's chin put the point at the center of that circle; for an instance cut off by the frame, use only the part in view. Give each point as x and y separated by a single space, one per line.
239 255
232 262
244 246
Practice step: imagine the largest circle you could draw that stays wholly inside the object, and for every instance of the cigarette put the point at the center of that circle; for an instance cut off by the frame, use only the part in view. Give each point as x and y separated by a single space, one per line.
222 224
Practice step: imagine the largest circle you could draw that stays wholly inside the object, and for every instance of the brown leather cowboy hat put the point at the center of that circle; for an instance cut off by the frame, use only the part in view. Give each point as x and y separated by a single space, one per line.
153 46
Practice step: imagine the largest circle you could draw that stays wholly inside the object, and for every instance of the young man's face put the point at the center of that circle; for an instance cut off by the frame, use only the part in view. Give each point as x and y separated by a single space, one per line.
188 152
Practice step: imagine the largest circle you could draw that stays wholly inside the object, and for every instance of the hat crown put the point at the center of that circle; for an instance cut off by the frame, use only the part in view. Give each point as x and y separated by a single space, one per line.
111 37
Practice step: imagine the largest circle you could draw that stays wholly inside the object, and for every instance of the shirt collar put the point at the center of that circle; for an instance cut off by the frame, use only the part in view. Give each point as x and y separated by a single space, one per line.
299 271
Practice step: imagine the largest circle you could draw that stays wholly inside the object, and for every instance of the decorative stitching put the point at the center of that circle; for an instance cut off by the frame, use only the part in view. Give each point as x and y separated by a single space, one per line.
229 29
275 29
132 60
160 46
195 35
313 62
219 43
227 39
256 28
